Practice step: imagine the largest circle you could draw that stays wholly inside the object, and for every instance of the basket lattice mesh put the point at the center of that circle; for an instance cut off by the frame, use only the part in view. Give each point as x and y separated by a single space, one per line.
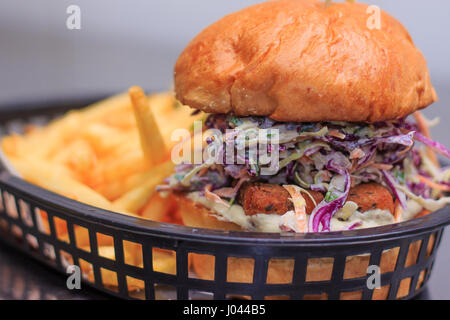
36 228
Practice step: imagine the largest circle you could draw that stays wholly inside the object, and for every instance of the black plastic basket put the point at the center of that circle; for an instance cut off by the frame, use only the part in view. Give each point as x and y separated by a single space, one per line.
414 243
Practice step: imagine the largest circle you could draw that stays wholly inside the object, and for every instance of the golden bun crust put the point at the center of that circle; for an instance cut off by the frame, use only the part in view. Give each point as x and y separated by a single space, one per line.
298 60
198 216
280 271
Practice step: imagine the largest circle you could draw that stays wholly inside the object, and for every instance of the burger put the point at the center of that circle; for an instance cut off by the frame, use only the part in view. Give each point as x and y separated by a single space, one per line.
338 92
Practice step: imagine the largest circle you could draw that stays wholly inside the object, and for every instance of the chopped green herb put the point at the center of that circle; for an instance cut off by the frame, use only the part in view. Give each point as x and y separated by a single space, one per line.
235 121
400 176
179 177
330 196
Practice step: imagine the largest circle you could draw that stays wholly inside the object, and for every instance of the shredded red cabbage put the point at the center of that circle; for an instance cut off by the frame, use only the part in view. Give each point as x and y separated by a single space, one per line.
392 182
359 152
436 146
354 225
324 211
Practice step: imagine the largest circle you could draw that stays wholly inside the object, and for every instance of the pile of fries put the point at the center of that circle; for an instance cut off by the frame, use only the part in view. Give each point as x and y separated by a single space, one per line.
111 155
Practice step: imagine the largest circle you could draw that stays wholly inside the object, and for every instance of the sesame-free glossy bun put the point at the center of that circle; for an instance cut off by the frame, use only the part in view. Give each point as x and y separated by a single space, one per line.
303 61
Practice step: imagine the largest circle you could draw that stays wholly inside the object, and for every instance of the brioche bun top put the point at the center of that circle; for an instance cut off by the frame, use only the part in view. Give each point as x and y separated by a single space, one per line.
303 61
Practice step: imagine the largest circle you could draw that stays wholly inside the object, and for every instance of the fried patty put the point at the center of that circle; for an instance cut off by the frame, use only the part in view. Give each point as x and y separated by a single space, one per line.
371 196
267 198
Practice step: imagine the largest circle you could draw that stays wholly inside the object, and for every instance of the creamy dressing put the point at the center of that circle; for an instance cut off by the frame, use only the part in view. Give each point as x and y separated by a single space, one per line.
271 222
412 209
236 214
368 219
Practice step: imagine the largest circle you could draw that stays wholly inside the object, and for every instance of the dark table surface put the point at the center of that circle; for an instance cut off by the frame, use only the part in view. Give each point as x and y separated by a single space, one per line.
23 278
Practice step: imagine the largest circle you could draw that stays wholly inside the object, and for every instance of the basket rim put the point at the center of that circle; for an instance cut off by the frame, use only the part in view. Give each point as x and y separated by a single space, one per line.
90 214
118 221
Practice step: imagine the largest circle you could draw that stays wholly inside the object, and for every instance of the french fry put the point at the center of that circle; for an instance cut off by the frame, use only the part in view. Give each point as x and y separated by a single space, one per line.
57 132
164 261
129 150
82 237
14 146
158 208
100 156
79 156
109 278
124 119
87 270
114 105
55 135
175 217
52 178
107 252
120 167
115 189
42 221
162 103
135 199
83 241
105 139
152 141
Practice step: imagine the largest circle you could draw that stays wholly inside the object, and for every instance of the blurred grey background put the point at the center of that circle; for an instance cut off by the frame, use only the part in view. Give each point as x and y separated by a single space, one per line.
136 42
122 43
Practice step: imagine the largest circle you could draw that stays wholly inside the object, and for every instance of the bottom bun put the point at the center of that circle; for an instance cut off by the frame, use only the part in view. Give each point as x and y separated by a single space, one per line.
280 271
